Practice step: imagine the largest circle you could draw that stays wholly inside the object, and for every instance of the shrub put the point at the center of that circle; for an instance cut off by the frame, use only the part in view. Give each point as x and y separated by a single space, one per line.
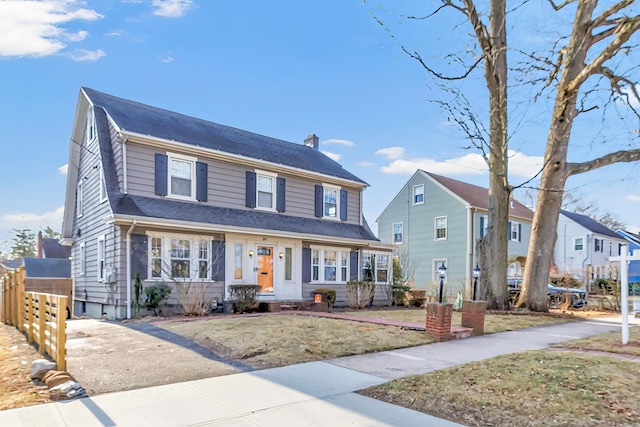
192 297
243 297
399 293
328 295
155 295
565 281
360 293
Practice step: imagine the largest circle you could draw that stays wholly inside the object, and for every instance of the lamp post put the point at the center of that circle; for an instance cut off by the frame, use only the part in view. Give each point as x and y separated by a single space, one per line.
442 273
476 274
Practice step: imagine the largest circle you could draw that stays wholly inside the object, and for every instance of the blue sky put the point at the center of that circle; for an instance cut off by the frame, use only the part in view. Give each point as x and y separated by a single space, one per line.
283 69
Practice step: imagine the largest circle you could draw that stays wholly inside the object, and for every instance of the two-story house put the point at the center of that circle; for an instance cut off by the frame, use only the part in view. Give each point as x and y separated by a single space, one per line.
633 248
169 197
583 247
436 220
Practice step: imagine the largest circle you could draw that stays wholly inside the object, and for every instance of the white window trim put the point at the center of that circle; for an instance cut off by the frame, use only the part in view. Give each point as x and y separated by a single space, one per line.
80 198
393 233
91 132
435 228
437 262
337 189
102 185
181 157
243 260
413 195
274 188
339 253
194 256
514 229
575 240
82 259
102 247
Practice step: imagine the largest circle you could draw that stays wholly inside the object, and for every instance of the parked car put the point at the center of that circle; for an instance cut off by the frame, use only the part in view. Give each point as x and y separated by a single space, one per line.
557 296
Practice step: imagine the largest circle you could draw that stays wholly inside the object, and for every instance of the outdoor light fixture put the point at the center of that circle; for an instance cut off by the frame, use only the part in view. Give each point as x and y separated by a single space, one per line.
442 273
250 252
476 274
280 255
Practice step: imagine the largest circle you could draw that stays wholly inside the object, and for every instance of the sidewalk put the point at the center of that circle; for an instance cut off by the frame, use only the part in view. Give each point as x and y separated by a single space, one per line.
316 393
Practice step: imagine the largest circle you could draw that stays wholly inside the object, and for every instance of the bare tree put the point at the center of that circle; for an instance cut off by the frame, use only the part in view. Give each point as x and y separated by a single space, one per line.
595 39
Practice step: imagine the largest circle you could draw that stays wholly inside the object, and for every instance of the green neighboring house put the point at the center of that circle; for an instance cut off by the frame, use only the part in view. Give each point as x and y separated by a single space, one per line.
436 220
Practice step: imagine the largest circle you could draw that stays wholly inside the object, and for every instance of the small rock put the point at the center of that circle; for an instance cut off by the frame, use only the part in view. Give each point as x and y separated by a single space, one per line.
40 367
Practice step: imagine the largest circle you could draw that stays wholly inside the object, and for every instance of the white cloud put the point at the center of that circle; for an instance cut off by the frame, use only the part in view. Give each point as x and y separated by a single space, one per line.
63 169
33 28
633 198
32 220
365 164
391 152
332 156
114 34
171 8
86 55
520 165
167 58
344 142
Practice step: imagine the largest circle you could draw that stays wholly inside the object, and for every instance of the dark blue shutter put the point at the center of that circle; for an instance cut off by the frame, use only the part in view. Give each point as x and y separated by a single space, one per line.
519 232
280 194
217 260
509 231
139 260
353 265
251 190
482 226
201 181
319 197
306 265
161 174
343 205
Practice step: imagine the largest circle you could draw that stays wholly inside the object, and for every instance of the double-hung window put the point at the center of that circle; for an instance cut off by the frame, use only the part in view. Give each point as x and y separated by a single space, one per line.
578 244
266 194
180 258
156 257
397 233
181 176
80 198
101 255
81 261
418 194
375 267
90 131
329 265
203 259
331 201
441 228
514 231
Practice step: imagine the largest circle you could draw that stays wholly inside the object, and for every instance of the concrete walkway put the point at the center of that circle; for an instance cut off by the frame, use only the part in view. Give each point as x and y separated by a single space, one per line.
309 394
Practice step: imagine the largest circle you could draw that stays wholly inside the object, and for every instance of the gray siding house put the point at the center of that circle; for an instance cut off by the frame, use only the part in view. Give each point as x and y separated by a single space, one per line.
172 197
436 220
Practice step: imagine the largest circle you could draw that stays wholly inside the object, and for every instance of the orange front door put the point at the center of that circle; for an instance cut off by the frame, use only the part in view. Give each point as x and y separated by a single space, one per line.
265 269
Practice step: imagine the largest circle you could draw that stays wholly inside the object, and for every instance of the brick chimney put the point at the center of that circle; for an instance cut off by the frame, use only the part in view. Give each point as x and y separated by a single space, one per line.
311 141
39 244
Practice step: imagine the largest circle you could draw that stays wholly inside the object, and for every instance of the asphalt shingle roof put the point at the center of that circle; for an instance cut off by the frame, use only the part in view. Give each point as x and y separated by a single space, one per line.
53 249
47 267
590 224
147 120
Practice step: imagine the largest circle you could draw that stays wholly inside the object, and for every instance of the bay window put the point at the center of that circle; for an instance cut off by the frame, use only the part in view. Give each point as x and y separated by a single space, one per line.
178 257
329 265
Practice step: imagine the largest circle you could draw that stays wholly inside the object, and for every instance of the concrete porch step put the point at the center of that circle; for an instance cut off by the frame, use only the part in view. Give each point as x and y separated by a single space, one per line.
460 332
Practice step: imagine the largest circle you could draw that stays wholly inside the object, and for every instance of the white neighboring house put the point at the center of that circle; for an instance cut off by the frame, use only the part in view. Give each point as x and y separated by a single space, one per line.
583 247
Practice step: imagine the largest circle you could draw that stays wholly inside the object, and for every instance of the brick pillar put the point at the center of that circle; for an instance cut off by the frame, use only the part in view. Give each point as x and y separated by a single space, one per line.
473 315
439 321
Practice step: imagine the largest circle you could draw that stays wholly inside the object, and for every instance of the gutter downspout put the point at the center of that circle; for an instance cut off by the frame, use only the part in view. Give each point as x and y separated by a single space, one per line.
128 255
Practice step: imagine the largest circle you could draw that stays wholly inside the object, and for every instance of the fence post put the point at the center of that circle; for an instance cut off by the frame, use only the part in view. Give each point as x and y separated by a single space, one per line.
61 332
42 323
20 301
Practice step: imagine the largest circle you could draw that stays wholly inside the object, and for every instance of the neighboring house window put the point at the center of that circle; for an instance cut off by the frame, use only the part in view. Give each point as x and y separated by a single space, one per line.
80 198
330 202
288 263
418 194
102 249
266 191
435 266
91 125
103 187
82 259
181 174
514 231
375 267
238 257
397 233
172 257
441 228
484 223
156 257
578 244
597 245
329 265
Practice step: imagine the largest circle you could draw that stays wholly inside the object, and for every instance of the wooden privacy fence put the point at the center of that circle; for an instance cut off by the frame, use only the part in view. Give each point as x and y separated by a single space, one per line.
41 317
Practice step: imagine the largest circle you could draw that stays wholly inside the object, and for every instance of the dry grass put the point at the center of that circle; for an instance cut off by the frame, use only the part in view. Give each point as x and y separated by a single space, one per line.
270 341
493 322
17 389
537 388
609 342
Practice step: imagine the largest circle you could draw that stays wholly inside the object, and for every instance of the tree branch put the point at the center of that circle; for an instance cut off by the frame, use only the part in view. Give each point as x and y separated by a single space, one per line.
607 159
606 14
558 7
